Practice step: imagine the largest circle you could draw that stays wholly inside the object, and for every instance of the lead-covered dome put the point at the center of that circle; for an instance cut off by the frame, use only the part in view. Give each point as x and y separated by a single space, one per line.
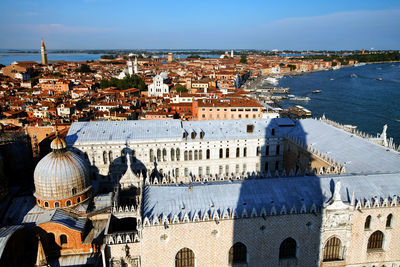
61 177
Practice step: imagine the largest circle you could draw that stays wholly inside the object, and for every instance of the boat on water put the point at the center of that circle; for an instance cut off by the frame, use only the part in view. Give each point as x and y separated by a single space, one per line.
353 75
379 79
360 64
316 91
299 98
332 79
336 67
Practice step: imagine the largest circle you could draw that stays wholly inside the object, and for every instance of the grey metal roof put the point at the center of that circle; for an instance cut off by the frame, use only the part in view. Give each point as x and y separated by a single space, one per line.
61 217
173 200
112 131
358 155
5 233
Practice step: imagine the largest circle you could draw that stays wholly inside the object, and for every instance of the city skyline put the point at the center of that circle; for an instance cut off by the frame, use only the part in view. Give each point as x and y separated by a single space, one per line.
102 24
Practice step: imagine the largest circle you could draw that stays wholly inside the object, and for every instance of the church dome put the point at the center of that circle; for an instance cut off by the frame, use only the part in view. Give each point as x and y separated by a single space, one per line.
61 177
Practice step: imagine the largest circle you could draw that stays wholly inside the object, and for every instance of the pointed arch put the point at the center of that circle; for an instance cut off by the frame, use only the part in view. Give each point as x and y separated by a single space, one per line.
238 254
287 249
184 258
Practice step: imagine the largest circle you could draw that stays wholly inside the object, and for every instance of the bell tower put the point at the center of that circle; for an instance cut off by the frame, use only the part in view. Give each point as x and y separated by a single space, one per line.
44 54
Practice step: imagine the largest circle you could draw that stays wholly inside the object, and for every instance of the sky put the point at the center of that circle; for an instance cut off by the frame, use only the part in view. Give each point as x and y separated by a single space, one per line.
189 24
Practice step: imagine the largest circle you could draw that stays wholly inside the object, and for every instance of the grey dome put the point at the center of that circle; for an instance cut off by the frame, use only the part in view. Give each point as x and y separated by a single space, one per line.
61 174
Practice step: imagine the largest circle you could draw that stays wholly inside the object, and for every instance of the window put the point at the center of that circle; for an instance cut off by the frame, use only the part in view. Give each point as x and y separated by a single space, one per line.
245 152
164 156
202 133
221 170
200 171
190 155
267 151
200 154
63 239
158 155
227 153
192 135
258 151
68 203
56 204
208 154
78 200
250 128
104 157
276 165
196 155
287 250
237 168
186 172
389 221
375 241
237 152
172 154
367 222
208 170
244 168
238 254
266 167
178 154
221 153
46 204
226 170
177 172
151 155
332 249
184 258
277 149
273 132
73 190
110 156
186 155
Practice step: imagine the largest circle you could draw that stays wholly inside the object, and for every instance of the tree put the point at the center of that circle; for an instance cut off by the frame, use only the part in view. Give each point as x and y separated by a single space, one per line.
179 88
243 59
81 104
84 68
129 81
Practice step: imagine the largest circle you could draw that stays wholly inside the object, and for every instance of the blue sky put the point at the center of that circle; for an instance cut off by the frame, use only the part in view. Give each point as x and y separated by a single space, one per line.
258 24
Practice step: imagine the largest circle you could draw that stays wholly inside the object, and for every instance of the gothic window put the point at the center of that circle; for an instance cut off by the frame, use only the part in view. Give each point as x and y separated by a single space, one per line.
221 170
177 172
208 154
186 172
202 133
73 190
238 254
78 199
178 154
287 250
46 204
190 155
267 151
244 168
68 203
367 222
200 154
227 153
389 221
164 155
375 241
200 171
184 258
104 157
63 239
277 149
245 152
332 249
221 153
56 204
226 170
158 155
208 170
237 152
237 168
151 155
186 155
258 151
196 155
192 135
172 154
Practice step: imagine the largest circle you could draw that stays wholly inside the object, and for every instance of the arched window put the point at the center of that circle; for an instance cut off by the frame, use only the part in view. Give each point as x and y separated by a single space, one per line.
226 170
287 249
267 151
221 170
196 155
186 155
208 154
200 171
73 190
172 154
237 169
46 204
104 157
258 151
78 200
56 204
158 155
221 153
238 254
245 152
200 154
227 153
164 155
178 154
332 249
63 239
184 258
151 155
208 170
190 155
186 172
389 221
375 241
237 152
68 203
367 222
110 156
